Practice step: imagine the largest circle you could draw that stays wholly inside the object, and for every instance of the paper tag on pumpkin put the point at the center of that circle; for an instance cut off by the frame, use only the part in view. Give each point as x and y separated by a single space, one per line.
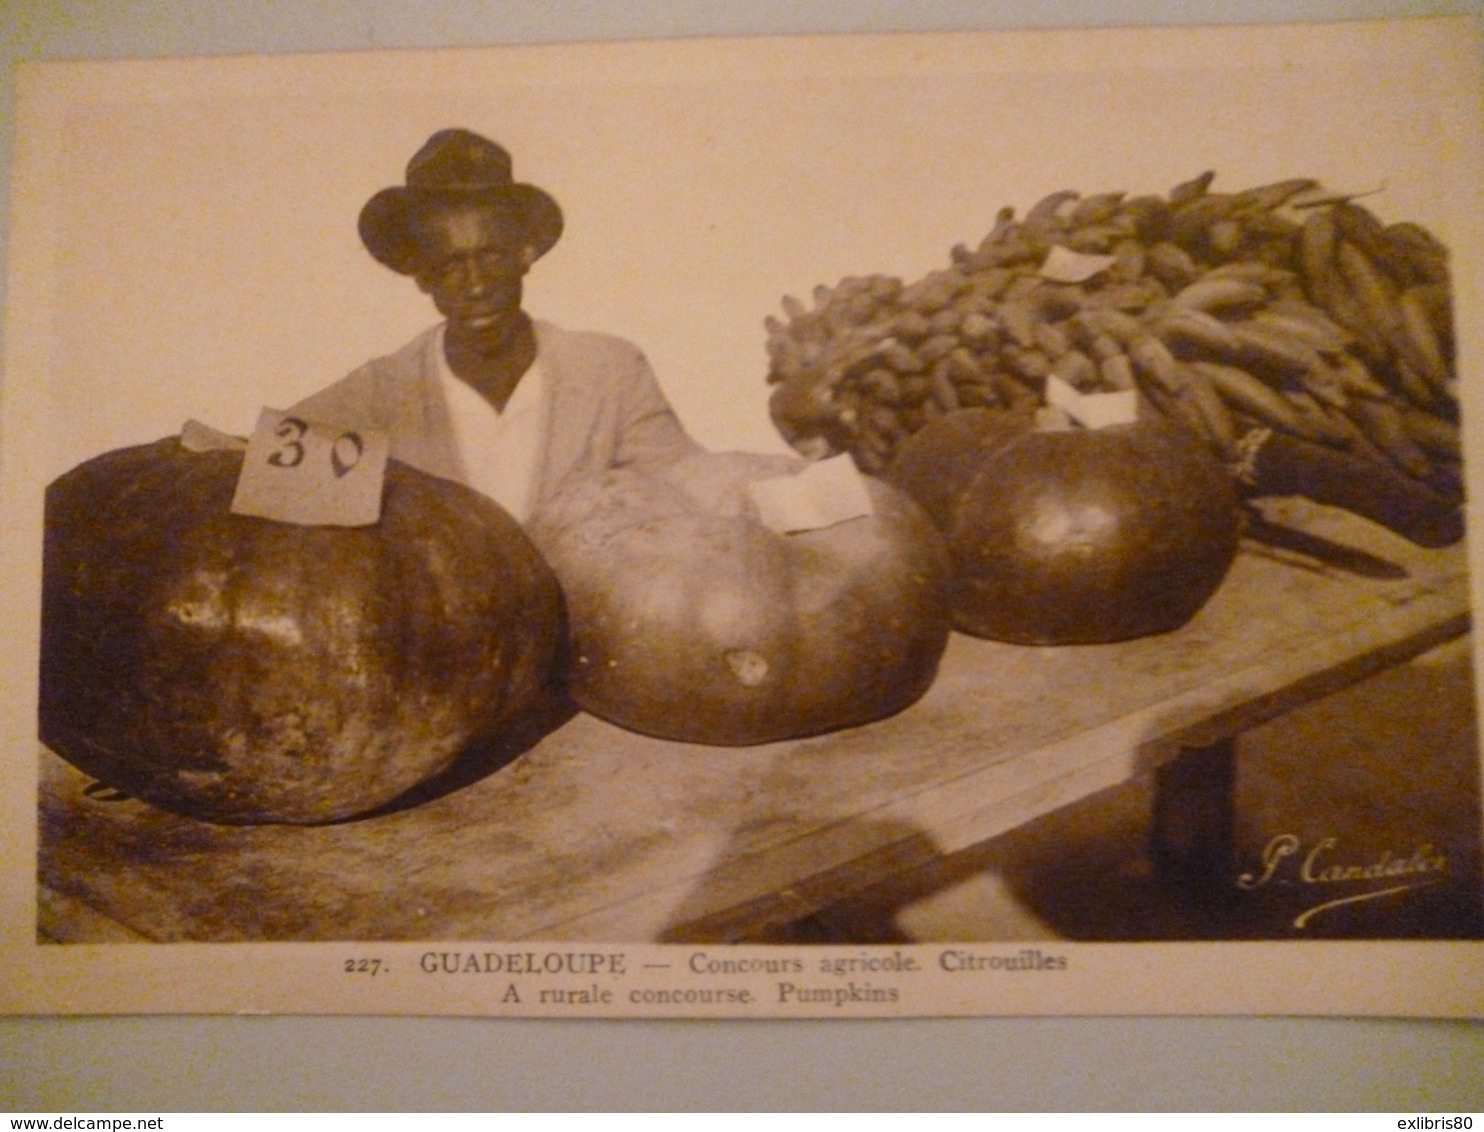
825 493
198 437
1092 410
312 474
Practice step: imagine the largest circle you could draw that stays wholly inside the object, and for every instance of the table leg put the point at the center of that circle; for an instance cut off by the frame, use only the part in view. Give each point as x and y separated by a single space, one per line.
1193 820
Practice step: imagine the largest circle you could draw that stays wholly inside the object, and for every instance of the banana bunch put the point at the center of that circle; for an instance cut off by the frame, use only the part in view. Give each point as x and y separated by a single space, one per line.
1278 309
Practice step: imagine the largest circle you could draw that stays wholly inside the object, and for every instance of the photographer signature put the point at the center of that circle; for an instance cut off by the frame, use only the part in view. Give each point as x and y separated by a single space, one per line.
1285 860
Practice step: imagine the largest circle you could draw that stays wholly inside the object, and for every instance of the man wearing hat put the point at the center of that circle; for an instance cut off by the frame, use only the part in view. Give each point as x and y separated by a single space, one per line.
488 397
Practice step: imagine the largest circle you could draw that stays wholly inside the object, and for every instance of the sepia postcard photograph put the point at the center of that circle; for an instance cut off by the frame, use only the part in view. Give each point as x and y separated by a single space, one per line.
839 526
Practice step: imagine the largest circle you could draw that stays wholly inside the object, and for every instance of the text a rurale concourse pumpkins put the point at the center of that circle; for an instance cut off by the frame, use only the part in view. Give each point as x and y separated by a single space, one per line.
693 620
241 670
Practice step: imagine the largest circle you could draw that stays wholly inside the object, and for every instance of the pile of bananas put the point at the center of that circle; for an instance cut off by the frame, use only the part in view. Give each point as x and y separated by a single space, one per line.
1282 308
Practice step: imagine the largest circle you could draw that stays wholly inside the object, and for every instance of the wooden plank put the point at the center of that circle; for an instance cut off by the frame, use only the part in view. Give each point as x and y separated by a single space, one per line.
597 833
62 919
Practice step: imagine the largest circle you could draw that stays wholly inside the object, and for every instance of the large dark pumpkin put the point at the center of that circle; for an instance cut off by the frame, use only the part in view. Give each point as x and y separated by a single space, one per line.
1072 536
242 670
692 620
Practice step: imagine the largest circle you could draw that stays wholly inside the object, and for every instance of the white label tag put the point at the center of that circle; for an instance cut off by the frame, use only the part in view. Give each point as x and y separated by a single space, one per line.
316 475
1092 410
198 437
823 494
1063 265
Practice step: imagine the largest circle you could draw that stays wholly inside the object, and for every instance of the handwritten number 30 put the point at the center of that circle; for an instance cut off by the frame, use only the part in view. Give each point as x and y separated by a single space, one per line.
345 451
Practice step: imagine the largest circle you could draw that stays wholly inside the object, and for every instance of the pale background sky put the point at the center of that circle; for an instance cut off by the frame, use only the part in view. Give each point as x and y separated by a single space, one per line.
698 188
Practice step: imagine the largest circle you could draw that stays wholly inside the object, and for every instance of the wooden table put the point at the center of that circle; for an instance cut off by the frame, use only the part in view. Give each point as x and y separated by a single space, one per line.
599 834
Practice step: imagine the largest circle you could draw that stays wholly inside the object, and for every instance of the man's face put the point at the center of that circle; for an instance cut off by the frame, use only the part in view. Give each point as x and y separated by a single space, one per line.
471 260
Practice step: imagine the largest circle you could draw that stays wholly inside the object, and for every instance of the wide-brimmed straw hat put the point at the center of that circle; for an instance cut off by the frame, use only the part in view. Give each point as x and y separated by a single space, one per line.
455 166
